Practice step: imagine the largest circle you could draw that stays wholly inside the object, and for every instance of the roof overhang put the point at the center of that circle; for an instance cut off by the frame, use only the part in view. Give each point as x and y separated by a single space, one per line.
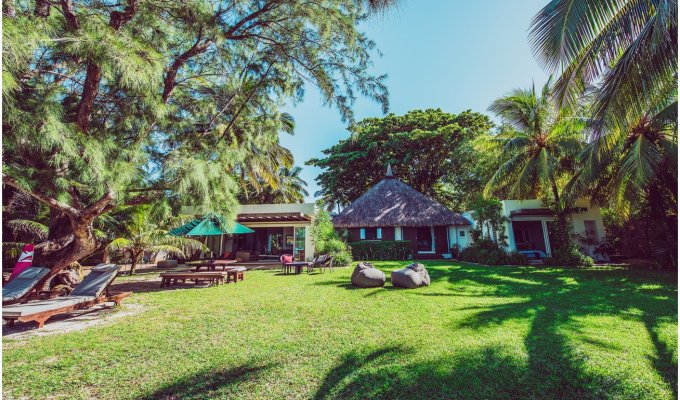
274 217
541 212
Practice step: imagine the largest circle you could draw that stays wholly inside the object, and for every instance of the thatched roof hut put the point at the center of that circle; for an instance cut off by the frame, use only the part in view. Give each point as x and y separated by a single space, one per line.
393 203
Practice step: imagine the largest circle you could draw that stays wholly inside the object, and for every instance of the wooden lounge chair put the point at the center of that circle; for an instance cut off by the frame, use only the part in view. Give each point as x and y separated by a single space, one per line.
23 286
91 291
321 262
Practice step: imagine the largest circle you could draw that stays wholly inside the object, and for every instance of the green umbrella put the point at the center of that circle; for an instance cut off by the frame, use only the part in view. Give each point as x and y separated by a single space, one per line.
210 225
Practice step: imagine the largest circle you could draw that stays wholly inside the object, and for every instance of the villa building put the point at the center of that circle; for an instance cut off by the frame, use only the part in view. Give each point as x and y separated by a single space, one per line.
393 210
529 222
276 229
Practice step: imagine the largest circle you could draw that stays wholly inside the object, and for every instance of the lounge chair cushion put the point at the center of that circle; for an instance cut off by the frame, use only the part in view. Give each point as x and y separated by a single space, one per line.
96 281
411 277
367 276
20 310
23 283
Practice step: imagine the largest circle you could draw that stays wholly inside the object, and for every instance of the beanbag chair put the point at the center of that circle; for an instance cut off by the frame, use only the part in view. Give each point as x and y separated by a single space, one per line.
411 277
367 276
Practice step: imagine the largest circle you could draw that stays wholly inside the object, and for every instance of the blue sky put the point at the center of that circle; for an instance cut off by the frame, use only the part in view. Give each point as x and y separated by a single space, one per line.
449 54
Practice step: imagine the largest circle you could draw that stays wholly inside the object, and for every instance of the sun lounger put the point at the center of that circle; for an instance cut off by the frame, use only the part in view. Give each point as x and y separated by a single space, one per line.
91 291
23 285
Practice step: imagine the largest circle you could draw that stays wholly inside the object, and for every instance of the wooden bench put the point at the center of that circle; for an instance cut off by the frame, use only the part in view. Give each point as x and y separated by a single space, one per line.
170 278
213 265
41 311
237 273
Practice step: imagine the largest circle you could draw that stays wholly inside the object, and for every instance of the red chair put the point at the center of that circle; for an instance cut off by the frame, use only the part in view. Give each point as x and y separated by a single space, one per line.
286 259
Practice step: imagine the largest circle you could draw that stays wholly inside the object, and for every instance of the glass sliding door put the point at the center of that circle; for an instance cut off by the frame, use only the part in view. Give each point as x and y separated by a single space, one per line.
299 246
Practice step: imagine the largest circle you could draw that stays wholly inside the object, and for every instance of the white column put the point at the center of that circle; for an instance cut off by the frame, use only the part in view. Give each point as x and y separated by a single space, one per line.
397 233
546 237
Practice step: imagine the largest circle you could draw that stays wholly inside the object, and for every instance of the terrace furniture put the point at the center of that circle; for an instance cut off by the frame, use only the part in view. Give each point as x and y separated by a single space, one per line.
247 256
295 266
365 275
213 265
91 291
285 259
172 278
236 273
24 285
167 264
321 262
413 276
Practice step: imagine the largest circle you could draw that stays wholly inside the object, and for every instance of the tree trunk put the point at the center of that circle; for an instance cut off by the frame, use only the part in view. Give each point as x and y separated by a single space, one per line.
70 240
561 232
135 261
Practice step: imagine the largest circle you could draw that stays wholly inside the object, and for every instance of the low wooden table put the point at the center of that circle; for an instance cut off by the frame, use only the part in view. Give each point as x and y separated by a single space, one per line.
170 278
297 266
237 273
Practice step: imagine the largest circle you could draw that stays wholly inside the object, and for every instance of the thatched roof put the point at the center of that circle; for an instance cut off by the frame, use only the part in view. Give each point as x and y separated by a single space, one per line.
393 203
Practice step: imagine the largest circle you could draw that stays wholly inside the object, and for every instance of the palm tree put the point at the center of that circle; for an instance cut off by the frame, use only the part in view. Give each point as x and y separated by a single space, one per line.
627 47
289 188
143 235
538 145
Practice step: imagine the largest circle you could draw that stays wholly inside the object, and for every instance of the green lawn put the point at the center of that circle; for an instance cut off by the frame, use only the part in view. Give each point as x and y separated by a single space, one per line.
476 332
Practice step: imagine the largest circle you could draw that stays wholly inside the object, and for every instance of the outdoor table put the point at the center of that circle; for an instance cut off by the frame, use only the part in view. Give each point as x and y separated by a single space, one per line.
297 265
210 266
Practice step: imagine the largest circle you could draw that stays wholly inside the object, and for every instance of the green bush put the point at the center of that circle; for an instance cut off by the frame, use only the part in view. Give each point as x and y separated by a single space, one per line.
484 251
327 241
569 256
382 250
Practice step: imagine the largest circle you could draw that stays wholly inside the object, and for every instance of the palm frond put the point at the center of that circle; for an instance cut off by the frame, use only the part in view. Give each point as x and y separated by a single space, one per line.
32 229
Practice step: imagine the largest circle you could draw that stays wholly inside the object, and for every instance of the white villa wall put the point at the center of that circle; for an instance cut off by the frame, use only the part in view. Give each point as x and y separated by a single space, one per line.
577 220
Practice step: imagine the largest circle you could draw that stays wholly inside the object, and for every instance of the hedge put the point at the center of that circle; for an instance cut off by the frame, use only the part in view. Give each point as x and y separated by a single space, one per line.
383 250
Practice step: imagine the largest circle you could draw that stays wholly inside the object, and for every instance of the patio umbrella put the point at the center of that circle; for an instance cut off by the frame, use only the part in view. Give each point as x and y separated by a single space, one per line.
210 225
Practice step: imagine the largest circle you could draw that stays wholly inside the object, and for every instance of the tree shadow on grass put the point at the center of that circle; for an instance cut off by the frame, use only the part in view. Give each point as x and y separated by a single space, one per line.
207 384
549 300
383 374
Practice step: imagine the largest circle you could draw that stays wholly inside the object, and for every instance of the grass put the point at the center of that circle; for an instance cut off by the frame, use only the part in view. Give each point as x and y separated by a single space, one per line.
476 332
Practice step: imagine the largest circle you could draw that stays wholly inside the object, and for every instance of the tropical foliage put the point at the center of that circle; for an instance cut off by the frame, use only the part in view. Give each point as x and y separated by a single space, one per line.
286 187
327 240
131 103
539 148
428 149
144 236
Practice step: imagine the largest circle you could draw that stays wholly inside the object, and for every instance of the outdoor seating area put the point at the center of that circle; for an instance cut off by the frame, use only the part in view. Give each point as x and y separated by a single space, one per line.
91 291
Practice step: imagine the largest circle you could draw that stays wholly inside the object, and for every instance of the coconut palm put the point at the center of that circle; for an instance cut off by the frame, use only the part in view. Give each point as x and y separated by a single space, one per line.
538 146
143 235
289 188
627 47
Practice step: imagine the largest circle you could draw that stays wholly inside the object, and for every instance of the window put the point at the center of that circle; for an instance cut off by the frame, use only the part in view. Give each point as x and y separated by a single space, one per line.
591 229
370 234
461 233
425 239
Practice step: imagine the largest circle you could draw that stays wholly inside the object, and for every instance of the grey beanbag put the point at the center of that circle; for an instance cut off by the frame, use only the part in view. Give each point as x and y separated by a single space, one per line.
411 277
367 276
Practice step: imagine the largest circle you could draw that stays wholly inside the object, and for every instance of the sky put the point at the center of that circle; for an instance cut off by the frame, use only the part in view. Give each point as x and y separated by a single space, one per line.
449 54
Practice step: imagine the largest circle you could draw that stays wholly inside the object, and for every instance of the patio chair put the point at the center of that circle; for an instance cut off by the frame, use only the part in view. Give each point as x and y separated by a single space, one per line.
91 291
321 262
285 259
24 285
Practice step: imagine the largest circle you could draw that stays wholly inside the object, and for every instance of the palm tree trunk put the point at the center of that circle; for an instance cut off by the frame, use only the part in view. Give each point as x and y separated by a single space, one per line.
135 259
561 232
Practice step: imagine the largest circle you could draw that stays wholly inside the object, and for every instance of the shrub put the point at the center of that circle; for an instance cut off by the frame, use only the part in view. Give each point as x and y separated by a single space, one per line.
569 256
488 252
327 241
382 250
